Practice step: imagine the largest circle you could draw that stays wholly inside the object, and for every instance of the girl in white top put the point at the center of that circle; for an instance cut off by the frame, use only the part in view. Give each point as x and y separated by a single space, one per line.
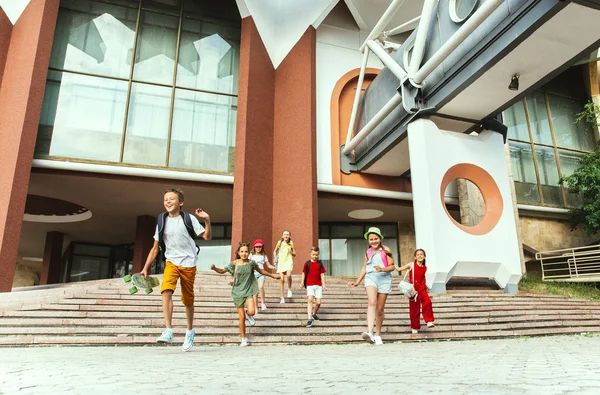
258 255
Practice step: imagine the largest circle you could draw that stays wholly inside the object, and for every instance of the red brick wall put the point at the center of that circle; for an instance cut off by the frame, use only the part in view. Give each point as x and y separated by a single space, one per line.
21 95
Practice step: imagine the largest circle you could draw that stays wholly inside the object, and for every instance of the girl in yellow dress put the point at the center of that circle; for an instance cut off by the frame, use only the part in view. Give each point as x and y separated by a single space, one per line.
283 257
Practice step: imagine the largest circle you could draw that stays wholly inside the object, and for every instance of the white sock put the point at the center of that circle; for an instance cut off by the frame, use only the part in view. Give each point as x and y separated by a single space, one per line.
170 330
188 331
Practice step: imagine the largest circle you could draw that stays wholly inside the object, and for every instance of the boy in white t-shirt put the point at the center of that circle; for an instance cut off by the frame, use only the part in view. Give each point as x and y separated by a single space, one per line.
181 253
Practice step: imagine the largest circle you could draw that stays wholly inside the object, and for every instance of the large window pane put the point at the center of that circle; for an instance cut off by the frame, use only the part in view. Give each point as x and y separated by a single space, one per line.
347 256
538 116
82 117
569 162
224 10
95 38
155 55
523 168
147 125
516 121
203 136
170 6
208 57
325 254
568 134
546 160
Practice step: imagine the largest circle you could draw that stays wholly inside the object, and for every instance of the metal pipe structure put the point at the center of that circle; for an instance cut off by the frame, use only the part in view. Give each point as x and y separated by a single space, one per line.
402 28
457 38
387 60
376 120
383 21
361 78
422 30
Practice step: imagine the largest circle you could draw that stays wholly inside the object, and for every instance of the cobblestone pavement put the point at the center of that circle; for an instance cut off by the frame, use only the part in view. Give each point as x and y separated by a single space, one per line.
544 365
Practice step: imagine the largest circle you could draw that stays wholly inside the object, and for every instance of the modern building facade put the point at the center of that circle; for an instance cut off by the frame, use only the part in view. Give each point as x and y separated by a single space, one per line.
244 105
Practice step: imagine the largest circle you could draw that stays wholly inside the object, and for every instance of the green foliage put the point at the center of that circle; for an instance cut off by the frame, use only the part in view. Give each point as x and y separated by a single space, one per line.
585 181
532 282
589 114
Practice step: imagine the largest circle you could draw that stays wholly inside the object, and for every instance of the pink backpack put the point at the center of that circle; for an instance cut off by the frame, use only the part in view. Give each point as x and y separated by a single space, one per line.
382 253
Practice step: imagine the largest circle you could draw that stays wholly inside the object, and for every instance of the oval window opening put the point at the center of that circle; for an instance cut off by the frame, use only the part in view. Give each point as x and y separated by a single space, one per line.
462 9
471 205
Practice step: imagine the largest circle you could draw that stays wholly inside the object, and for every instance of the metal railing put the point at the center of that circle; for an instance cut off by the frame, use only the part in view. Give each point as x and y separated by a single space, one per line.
575 264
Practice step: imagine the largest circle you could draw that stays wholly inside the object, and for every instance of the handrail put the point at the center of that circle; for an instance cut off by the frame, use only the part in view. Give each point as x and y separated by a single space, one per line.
570 263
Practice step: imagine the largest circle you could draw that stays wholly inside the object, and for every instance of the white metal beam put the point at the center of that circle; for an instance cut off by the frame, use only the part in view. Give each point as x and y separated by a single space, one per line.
419 47
361 78
383 21
455 40
376 120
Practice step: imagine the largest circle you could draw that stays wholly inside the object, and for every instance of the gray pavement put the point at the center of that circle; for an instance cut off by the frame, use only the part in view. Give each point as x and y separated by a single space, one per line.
543 365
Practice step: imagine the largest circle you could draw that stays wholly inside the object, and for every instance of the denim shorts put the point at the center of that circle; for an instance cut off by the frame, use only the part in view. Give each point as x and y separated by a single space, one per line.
383 282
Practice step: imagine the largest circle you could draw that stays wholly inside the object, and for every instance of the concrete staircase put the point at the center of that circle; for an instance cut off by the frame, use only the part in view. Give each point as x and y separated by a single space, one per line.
103 313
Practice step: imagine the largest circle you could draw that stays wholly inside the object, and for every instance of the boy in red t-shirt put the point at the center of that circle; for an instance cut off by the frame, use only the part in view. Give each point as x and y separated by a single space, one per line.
313 278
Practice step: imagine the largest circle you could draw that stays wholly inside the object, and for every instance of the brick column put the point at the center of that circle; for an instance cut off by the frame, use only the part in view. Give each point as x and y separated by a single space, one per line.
52 258
21 95
144 240
253 184
294 153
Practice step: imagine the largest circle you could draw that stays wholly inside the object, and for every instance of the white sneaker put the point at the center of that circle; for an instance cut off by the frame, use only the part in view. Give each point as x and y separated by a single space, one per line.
166 336
289 293
368 337
378 341
263 307
244 342
188 343
282 301
414 331
430 325
251 320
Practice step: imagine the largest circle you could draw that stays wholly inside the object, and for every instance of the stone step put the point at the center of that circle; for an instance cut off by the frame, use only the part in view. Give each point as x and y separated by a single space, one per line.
14 340
156 320
103 312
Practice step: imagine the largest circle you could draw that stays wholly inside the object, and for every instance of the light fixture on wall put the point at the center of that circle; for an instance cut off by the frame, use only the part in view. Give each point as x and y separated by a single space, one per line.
514 82
365 213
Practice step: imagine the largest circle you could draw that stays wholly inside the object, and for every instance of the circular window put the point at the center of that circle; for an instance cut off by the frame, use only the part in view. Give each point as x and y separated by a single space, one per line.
490 194
462 9
471 203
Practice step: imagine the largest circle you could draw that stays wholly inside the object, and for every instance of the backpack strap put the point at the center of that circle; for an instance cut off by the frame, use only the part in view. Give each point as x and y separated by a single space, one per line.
306 270
187 221
161 231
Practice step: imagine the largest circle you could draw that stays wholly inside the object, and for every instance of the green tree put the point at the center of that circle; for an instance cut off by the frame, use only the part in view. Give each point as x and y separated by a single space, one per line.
585 181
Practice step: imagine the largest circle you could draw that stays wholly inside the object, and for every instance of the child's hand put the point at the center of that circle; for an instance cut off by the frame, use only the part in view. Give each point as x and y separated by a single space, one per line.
324 287
377 269
144 272
351 284
212 267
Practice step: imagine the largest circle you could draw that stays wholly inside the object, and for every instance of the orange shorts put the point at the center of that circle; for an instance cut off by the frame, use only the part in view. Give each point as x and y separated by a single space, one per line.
187 276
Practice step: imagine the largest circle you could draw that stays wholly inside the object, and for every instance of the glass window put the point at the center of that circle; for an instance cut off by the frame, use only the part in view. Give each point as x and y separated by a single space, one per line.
516 121
156 45
568 134
523 168
569 162
109 100
538 117
347 230
94 38
203 135
325 254
546 160
217 252
82 117
208 57
223 10
147 125
170 6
